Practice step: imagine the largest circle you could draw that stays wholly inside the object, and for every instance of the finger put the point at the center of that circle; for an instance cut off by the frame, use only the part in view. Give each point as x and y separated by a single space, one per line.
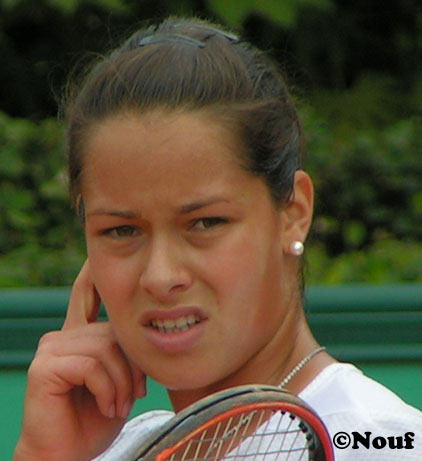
95 340
138 381
65 373
99 383
84 303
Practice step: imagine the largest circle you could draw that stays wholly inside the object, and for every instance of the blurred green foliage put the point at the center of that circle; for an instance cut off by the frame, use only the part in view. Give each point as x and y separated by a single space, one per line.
283 12
40 239
367 228
353 67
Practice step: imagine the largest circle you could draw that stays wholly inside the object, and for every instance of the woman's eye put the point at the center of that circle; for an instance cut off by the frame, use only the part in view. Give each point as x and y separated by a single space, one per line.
207 223
121 232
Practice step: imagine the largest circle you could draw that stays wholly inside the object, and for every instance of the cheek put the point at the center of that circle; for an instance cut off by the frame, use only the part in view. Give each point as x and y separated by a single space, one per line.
247 284
114 278
245 270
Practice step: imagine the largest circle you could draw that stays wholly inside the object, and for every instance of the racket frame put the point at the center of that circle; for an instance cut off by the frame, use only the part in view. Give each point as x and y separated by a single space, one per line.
202 414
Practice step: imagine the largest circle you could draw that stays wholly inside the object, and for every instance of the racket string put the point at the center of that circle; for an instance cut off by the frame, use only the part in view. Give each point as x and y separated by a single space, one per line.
258 435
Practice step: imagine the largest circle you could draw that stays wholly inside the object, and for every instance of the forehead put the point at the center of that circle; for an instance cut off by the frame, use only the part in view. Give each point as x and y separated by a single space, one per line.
171 153
161 137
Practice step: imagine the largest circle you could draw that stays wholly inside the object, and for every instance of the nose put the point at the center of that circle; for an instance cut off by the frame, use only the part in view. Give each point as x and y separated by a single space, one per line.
165 273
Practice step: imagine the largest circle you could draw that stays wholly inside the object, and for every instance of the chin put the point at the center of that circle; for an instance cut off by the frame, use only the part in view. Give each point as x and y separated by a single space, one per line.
187 378
182 381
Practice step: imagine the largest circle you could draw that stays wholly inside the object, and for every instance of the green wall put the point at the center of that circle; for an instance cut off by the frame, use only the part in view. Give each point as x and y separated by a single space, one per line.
378 328
402 378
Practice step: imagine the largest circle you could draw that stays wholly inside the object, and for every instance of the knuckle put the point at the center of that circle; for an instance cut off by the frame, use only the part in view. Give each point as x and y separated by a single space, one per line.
39 369
36 369
90 364
113 347
108 347
47 339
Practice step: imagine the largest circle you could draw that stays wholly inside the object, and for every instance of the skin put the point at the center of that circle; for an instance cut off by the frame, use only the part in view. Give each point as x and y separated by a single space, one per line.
172 219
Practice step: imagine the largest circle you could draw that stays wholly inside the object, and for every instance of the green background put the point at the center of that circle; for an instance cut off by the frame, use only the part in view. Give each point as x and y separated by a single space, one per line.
378 328
355 71
405 379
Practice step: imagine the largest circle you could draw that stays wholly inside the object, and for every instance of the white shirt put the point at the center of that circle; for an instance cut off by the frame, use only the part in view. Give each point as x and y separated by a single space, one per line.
346 401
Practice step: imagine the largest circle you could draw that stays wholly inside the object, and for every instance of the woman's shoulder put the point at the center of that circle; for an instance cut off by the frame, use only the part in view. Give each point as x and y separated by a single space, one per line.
148 421
374 419
135 432
342 387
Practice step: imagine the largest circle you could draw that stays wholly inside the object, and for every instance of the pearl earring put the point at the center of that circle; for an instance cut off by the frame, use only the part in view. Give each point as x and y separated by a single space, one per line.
297 248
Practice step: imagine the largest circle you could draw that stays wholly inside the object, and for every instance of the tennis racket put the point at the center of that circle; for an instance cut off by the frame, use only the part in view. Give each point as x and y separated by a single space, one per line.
255 422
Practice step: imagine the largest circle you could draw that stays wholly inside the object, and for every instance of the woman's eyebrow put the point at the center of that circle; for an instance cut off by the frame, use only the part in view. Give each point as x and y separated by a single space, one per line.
183 209
117 213
189 207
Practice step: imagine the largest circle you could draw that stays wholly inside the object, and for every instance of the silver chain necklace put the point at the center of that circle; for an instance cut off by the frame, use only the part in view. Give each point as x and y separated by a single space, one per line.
247 418
300 365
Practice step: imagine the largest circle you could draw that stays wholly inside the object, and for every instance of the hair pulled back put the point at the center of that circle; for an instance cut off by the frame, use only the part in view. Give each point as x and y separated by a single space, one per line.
189 65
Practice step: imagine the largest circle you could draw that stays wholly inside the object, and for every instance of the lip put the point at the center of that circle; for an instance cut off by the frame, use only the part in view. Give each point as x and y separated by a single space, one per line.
171 314
176 342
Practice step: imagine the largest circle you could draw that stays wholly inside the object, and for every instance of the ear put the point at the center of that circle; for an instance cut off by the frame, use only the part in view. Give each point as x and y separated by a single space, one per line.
297 213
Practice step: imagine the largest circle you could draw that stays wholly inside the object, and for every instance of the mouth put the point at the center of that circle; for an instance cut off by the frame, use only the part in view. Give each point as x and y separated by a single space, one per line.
176 330
176 325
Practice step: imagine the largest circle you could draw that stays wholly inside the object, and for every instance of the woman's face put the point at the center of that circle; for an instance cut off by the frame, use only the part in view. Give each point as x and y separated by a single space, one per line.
185 248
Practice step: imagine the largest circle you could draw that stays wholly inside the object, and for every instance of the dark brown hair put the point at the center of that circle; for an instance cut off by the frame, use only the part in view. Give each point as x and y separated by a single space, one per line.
190 65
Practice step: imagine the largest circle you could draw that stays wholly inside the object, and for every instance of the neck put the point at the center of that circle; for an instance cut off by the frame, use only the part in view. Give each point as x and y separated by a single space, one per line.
291 344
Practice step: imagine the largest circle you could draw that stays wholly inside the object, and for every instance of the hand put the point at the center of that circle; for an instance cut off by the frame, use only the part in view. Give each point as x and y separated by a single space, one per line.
81 387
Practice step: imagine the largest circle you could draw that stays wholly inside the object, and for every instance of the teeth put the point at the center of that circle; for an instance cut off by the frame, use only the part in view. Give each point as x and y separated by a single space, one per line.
168 324
191 320
175 325
182 322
